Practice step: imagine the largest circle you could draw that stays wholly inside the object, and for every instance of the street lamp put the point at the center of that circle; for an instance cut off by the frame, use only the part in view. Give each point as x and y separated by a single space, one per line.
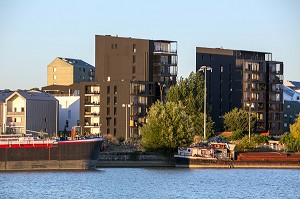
250 105
126 106
161 88
205 68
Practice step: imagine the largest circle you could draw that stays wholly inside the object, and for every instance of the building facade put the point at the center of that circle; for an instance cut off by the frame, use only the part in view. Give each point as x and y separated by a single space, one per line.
30 112
4 94
291 105
69 111
244 79
130 74
67 71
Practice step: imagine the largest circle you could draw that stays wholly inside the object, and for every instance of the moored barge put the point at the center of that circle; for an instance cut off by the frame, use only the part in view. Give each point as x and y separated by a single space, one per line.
26 153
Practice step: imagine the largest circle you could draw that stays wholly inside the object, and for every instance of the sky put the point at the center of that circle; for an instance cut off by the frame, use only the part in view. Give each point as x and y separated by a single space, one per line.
34 32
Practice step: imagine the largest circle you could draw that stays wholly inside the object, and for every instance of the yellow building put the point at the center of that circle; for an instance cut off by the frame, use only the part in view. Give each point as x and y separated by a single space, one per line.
66 71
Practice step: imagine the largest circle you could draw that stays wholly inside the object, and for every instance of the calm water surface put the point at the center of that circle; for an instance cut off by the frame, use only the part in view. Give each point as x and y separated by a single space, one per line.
152 183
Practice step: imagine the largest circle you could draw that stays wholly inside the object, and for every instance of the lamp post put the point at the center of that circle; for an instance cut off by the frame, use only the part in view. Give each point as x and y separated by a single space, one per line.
126 106
161 88
205 68
250 105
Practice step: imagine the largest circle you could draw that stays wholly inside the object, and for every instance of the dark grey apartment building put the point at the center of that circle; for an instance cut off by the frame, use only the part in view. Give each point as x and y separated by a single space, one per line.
130 74
244 79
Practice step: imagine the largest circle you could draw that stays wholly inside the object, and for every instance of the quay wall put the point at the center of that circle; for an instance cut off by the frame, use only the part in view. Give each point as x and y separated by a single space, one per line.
134 159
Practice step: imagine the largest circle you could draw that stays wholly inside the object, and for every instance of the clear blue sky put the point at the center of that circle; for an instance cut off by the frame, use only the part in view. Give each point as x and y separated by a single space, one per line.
33 33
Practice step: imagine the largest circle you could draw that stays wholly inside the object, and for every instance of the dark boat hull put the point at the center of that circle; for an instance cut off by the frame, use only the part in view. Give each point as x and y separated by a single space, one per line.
197 162
62 155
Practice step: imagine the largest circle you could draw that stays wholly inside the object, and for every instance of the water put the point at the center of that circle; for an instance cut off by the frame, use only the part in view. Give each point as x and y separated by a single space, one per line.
152 183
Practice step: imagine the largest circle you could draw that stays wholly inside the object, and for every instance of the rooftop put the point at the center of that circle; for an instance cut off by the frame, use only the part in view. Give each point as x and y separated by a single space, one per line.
76 62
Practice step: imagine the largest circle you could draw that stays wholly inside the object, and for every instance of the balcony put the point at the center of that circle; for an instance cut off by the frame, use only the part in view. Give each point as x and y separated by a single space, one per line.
15 124
9 113
92 125
90 93
88 103
95 114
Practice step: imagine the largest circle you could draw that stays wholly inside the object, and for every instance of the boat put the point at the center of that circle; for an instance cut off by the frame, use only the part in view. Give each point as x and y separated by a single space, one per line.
28 153
211 155
222 155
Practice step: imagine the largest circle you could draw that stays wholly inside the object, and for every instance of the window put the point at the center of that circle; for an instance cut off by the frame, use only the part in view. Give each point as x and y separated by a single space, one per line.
285 124
115 110
45 119
83 70
112 46
285 115
108 131
116 46
22 109
297 97
108 122
115 100
78 122
288 106
108 89
108 101
67 124
133 69
133 59
108 111
115 131
115 89
54 69
221 69
115 121
134 48
54 76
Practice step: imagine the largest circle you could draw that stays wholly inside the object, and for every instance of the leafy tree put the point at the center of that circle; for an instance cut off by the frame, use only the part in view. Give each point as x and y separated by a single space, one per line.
292 140
237 135
167 127
190 92
238 120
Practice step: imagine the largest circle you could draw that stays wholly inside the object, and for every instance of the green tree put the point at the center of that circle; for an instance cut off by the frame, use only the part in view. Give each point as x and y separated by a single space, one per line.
292 141
238 120
167 128
190 92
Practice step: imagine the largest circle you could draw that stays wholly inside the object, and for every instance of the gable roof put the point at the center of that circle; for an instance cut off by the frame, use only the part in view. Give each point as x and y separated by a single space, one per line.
76 62
33 95
4 94
36 95
288 91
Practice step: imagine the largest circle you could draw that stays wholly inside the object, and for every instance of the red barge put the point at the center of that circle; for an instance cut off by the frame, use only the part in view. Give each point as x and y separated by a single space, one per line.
27 153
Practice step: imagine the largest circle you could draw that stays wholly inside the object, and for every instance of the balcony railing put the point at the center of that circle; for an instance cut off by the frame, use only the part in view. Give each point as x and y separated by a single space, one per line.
162 50
15 113
92 92
91 103
15 124
92 113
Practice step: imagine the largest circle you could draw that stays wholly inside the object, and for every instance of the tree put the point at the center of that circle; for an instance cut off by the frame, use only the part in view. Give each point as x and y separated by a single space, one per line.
190 92
238 120
292 140
167 128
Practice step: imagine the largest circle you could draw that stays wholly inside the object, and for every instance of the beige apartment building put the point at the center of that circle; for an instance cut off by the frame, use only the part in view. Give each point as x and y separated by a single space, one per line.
29 112
67 71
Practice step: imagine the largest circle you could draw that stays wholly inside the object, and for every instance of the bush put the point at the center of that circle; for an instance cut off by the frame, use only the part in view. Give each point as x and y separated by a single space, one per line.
121 139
